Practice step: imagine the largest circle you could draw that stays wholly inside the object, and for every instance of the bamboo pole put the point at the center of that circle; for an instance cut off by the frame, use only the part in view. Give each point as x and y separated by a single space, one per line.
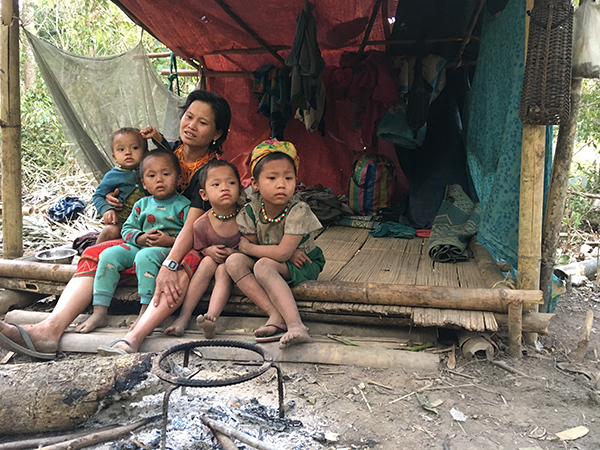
530 206
368 30
35 270
467 38
555 206
209 73
248 30
10 122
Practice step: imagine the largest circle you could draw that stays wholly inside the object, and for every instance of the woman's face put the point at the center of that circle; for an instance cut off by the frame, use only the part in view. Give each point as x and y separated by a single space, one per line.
197 127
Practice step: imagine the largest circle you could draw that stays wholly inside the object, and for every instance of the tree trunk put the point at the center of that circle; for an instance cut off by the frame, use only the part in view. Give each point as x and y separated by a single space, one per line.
60 395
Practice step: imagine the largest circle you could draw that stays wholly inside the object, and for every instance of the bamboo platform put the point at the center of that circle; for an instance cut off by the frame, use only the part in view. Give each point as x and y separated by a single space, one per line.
366 281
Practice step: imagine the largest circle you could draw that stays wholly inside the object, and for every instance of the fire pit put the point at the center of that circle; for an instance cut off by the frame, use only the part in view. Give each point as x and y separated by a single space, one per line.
188 348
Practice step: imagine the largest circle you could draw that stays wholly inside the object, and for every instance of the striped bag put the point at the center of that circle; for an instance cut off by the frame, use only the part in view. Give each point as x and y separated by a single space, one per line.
371 185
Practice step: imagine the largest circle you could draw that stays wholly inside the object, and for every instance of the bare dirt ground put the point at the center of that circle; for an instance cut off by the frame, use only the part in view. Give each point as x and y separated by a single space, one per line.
362 408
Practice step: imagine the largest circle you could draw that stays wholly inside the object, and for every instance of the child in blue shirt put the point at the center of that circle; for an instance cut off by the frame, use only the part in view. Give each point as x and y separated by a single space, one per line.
128 147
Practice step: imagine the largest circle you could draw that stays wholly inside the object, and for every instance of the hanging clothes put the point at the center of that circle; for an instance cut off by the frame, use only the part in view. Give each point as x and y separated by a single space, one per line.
272 89
306 62
373 90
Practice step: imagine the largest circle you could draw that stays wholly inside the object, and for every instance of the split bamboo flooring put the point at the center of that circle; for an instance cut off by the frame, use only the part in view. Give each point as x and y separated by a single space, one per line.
352 255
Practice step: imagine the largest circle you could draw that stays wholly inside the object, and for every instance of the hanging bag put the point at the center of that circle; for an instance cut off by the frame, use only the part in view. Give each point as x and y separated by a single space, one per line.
371 185
586 40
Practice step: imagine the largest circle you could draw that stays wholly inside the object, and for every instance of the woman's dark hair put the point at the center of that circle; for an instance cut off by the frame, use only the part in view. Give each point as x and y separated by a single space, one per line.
220 109
160 153
271 157
213 164
126 130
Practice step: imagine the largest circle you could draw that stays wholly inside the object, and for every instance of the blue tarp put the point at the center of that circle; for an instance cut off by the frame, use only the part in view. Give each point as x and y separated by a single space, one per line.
495 131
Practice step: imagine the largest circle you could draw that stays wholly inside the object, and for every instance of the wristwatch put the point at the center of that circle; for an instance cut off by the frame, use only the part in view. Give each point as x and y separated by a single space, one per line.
170 264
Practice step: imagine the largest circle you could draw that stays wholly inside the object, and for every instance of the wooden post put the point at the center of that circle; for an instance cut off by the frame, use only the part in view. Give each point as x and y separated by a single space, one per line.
531 214
530 211
10 122
555 206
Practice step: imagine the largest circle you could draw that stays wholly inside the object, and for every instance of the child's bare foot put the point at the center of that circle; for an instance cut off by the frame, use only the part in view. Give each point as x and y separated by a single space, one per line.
208 324
137 319
93 322
294 336
178 327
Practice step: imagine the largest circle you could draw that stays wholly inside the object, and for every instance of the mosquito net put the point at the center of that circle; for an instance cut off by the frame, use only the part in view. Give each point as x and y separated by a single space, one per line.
96 96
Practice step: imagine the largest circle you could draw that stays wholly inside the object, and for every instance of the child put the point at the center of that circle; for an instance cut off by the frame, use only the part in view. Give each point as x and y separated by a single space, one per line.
216 236
149 232
128 147
278 246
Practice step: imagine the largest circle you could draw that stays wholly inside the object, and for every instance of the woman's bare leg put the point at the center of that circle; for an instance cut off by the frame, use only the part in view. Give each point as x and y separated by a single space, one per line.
156 313
218 300
239 267
272 277
198 285
46 334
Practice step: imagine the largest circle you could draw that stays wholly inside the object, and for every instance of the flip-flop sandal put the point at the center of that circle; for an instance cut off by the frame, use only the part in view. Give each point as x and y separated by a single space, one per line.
280 328
273 338
109 350
30 350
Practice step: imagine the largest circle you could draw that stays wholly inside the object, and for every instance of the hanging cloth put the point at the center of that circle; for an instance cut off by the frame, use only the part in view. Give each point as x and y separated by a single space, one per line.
306 62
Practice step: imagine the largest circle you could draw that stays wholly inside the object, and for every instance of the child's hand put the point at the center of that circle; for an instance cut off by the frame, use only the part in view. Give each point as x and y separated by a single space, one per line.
298 258
218 253
110 217
245 245
150 133
156 238
112 198
142 239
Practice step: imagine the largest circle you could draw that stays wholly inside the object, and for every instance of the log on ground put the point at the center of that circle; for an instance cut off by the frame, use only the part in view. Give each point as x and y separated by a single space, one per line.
60 395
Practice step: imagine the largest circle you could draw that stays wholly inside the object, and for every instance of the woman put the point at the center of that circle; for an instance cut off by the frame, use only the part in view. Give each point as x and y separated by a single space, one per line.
202 130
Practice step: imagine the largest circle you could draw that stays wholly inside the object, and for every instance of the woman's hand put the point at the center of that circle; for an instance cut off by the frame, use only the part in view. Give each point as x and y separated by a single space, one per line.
299 258
167 287
218 253
112 198
150 133
157 238
110 217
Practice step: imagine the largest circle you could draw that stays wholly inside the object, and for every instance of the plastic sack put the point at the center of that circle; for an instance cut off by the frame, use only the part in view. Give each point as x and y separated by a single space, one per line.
586 40
371 186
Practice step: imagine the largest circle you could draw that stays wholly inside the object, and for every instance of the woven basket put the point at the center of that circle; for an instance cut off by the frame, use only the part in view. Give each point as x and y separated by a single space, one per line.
546 97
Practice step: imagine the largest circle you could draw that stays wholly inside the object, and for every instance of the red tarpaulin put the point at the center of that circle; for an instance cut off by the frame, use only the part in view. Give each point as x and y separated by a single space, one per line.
195 29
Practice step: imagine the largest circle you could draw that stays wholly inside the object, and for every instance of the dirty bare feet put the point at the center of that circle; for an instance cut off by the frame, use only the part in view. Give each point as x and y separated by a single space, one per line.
98 319
294 336
178 327
137 319
40 341
208 324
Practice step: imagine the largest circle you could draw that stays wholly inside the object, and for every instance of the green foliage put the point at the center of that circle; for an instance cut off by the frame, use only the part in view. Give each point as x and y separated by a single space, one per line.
588 124
582 212
93 28
42 140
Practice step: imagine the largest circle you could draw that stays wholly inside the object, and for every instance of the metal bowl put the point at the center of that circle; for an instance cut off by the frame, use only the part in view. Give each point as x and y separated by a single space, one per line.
56 255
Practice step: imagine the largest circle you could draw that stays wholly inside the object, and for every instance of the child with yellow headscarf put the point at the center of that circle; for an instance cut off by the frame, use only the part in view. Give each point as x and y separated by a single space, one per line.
278 245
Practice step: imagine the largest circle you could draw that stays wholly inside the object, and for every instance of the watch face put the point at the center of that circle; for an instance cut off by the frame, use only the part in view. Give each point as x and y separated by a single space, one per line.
172 265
